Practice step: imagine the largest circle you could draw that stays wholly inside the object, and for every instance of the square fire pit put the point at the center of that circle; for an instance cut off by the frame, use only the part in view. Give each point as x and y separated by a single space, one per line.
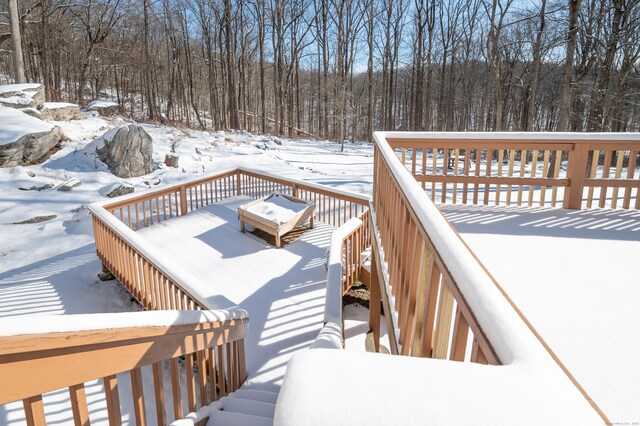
276 214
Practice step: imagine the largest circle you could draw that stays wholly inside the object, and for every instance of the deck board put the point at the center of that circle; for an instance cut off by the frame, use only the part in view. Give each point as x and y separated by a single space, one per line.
282 289
576 277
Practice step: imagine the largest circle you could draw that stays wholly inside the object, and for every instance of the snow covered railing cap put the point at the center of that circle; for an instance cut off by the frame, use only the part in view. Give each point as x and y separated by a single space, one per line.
45 324
510 136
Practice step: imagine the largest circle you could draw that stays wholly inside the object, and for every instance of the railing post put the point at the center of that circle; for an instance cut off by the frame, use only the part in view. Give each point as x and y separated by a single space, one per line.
374 305
238 183
576 168
183 200
295 190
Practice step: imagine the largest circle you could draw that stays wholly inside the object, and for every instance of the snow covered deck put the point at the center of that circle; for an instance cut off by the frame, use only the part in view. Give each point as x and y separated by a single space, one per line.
576 277
283 290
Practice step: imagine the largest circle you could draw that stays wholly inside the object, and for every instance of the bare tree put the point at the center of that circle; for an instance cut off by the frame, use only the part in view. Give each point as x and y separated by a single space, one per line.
16 42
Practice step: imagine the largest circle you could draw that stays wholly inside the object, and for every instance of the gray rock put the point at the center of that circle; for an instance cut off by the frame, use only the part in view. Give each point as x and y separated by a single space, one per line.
127 151
35 186
69 185
36 219
30 95
32 142
103 107
60 111
33 113
119 189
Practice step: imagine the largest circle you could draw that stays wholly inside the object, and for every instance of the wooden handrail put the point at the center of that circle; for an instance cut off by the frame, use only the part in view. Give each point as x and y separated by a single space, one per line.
525 168
35 363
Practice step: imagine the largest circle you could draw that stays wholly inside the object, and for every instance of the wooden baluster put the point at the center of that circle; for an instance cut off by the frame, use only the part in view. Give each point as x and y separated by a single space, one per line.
605 175
459 339
230 375
211 367
424 166
158 387
374 303
523 161
443 323
191 383
631 167
477 355
619 160
477 165
445 169
113 400
424 266
202 377
556 175
145 222
175 389
498 186
456 172
545 172
222 383
413 266
512 157
138 397
434 171
243 361
487 186
467 165
430 311
79 408
34 411
534 171
413 162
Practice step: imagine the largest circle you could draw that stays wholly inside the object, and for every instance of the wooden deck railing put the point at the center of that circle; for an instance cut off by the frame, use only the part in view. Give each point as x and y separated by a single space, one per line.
201 357
154 285
439 300
420 296
543 169
353 244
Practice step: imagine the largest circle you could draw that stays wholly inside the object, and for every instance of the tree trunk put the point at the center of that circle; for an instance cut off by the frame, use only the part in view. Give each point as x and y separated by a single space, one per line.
567 89
16 42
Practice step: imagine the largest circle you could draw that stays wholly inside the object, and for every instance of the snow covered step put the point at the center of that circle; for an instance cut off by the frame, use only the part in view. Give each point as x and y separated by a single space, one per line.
256 395
365 271
248 406
365 257
228 418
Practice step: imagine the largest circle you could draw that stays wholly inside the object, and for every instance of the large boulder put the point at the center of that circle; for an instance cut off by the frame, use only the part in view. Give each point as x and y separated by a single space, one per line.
24 139
60 111
27 95
127 151
103 107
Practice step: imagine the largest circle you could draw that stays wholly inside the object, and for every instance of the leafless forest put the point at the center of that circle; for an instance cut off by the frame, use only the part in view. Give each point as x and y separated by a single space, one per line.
337 69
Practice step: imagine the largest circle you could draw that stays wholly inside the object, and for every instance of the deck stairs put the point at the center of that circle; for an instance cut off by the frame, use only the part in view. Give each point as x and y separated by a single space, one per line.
246 406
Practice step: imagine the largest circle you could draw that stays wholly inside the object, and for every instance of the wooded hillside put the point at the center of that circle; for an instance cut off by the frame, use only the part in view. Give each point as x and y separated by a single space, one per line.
339 69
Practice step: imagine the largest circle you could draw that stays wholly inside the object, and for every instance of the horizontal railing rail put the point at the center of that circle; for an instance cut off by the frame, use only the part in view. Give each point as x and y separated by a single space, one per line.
200 354
573 170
